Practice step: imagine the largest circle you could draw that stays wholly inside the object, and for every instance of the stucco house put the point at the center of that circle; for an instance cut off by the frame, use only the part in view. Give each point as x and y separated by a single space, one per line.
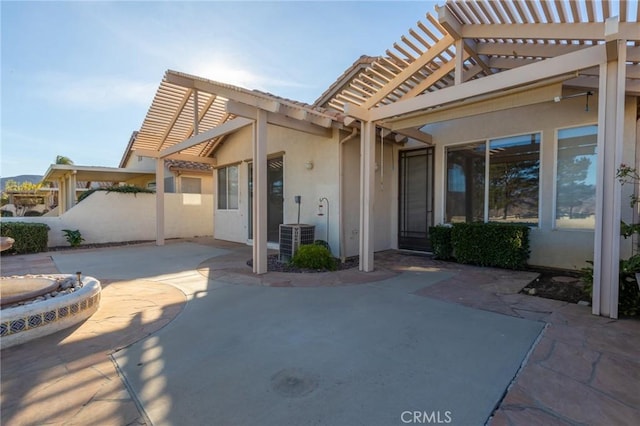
489 111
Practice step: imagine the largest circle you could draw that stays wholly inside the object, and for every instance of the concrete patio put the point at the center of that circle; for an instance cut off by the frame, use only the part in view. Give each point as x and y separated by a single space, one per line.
201 340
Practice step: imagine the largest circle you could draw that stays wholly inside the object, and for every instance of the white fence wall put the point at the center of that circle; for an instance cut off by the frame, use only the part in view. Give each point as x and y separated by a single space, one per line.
114 217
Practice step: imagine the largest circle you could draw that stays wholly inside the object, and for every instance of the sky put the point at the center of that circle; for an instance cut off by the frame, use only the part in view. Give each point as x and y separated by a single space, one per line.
78 77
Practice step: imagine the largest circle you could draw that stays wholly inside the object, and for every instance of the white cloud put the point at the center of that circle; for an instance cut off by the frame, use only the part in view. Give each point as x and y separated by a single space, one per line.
226 71
98 92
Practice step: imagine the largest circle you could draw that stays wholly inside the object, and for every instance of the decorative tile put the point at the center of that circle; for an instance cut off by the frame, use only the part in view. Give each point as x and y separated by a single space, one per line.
4 329
83 304
49 316
63 311
18 325
35 321
74 308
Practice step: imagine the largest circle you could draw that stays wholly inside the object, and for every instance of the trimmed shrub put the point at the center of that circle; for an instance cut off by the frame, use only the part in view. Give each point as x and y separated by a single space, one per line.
314 256
125 189
440 237
32 213
491 244
29 237
6 213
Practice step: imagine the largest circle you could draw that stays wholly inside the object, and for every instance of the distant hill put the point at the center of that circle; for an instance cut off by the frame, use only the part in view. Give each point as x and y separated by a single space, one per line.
20 179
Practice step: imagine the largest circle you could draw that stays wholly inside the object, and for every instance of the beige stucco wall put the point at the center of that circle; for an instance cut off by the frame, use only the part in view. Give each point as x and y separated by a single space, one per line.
113 217
297 148
549 246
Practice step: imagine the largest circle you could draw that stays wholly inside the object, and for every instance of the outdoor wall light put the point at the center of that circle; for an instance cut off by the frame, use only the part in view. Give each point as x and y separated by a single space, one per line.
308 165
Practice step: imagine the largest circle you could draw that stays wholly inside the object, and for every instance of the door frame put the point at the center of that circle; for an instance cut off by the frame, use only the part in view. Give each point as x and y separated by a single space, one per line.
403 243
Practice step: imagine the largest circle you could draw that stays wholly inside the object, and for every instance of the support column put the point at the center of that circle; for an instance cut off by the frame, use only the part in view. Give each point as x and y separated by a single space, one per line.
260 193
159 201
72 189
367 194
62 196
459 71
608 197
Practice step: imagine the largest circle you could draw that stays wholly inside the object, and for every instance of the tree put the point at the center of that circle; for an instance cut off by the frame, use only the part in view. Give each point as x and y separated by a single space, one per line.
572 189
61 159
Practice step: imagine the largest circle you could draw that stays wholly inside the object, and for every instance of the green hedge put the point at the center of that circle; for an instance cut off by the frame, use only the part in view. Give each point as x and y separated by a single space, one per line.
491 244
440 236
29 237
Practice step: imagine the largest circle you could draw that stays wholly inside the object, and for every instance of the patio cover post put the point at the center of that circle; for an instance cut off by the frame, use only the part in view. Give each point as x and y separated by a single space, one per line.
367 194
72 190
260 193
608 199
159 201
62 196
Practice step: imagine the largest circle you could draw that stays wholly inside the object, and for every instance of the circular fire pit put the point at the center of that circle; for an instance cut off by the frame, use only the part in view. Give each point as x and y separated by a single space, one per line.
56 310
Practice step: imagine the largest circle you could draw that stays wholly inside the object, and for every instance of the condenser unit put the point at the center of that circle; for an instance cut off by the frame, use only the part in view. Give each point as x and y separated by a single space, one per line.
294 236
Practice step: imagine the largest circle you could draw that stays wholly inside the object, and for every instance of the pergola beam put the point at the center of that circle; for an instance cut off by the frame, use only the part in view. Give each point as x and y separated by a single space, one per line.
455 29
416 134
555 31
174 118
501 101
250 112
406 73
182 157
505 80
223 129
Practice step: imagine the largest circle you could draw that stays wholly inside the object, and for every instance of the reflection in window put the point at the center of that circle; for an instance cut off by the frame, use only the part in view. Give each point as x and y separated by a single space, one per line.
510 195
514 175
576 178
228 188
465 183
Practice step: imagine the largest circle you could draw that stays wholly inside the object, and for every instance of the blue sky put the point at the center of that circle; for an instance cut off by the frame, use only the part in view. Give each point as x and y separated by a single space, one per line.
78 77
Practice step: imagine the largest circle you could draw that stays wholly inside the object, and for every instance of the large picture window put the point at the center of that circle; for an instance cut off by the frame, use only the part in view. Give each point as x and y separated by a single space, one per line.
228 188
503 189
576 178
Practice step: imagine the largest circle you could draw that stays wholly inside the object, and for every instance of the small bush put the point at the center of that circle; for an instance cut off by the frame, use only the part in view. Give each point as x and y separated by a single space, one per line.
32 213
314 256
125 189
29 237
491 244
6 213
628 292
74 237
440 237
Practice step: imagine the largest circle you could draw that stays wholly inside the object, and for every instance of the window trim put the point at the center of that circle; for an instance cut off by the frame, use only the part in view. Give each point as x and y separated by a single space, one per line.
487 143
554 226
226 169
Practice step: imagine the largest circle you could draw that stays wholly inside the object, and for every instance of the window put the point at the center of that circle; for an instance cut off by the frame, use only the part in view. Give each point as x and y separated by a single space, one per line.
576 178
228 188
514 176
190 185
511 192
465 183
168 185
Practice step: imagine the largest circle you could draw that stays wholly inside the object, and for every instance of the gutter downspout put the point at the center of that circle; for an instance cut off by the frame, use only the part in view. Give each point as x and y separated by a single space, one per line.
354 132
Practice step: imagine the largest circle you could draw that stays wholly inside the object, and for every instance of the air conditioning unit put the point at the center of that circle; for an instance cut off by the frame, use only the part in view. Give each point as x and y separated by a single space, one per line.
292 236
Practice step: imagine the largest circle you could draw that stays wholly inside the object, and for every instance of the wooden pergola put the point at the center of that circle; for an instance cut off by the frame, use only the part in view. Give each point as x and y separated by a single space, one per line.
474 57
190 118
